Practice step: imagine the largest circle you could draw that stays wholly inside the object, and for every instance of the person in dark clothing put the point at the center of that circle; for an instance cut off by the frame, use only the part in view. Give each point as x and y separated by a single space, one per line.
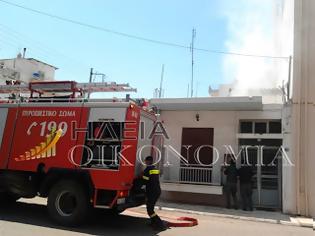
153 191
231 184
245 174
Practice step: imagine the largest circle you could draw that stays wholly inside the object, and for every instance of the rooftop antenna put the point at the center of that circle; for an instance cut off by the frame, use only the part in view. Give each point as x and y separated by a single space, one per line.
161 82
188 90
192 61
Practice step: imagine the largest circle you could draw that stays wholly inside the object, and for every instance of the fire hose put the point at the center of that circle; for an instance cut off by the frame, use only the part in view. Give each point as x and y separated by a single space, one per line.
183 221
187 222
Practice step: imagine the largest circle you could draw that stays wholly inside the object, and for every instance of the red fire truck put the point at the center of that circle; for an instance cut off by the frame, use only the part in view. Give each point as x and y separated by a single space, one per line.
79 153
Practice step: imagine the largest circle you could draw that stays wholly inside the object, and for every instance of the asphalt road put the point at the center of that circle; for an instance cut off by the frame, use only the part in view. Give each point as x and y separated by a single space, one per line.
31 219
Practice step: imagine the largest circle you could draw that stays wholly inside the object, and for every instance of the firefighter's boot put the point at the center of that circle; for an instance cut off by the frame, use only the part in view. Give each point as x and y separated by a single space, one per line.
157 223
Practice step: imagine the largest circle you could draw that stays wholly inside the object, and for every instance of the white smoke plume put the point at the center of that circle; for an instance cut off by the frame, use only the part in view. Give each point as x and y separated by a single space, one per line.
262 27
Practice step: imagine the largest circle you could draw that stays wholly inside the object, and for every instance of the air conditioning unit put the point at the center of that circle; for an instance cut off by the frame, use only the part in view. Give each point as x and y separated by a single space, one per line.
38 75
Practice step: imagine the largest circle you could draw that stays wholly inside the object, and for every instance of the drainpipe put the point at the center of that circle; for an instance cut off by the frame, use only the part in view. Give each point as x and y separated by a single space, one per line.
305 144
306 12
297 89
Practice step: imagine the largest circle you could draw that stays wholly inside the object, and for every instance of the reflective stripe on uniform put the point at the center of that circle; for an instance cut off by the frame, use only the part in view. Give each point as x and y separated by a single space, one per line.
145 177
154 172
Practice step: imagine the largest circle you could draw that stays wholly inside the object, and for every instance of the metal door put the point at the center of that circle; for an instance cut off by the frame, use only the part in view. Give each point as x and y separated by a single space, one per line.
266 164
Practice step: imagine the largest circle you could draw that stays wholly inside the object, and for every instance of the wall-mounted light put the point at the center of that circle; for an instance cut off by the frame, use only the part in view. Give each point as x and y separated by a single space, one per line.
197 117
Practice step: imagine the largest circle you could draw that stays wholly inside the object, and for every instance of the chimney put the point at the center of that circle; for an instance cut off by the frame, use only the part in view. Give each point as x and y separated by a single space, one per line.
24 51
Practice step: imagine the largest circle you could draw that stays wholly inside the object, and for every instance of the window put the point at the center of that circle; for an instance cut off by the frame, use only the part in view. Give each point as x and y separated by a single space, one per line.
103 143
105 131
275 127
260 127
246 127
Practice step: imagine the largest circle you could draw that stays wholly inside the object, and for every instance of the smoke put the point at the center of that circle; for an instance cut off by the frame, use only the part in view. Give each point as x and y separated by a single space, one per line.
260 27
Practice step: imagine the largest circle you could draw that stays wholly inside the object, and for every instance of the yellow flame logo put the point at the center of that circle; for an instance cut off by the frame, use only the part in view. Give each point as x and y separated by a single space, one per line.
44 149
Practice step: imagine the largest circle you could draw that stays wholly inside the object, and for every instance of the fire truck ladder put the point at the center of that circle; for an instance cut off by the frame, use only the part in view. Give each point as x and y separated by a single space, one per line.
41 87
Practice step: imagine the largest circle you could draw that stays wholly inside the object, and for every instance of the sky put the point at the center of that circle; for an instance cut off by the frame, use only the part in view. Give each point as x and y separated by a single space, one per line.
75 49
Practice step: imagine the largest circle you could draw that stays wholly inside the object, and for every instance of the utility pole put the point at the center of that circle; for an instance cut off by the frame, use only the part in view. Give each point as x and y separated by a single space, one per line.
92 73
90 80
161 82
192 61
95 74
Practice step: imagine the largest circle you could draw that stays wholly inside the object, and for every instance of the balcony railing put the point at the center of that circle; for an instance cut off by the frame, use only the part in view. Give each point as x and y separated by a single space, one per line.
188 175
195 175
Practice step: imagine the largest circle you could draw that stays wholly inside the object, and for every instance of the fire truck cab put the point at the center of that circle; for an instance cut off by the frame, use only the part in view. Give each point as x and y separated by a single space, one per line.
79 153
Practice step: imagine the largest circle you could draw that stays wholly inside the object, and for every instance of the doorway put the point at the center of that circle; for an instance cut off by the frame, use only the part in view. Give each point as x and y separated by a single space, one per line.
265 159
196 170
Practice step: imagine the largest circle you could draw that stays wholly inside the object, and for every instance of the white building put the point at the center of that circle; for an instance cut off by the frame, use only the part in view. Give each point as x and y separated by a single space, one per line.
235 121
220 122
25 70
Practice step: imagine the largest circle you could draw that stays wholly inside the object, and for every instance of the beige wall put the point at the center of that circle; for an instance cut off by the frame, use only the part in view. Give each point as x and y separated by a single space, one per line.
28 67
225 129
303 116
224 123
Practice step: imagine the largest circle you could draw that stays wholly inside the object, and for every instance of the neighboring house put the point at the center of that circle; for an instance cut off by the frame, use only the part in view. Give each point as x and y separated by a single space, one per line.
25 70
215 122
301 198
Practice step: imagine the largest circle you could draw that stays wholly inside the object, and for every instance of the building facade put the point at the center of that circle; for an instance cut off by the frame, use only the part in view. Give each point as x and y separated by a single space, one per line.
289 184
215 128
25 70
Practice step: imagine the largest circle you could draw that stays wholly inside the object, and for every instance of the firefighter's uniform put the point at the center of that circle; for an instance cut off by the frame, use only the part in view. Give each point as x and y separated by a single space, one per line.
153 191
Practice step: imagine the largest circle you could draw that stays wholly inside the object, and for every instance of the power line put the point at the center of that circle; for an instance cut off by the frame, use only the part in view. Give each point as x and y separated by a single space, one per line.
93 26
23 40
171 44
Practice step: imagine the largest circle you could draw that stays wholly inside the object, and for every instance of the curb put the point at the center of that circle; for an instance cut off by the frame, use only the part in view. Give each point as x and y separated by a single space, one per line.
295 221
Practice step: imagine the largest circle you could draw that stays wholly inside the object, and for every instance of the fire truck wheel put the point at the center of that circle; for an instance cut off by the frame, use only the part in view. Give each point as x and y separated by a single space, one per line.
68 203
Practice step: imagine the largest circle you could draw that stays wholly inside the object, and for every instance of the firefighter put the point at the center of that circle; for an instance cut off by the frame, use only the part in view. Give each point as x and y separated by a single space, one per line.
153 191
245 174
231 184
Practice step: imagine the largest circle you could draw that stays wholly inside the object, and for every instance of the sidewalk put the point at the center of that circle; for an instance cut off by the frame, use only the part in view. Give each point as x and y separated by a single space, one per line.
256 215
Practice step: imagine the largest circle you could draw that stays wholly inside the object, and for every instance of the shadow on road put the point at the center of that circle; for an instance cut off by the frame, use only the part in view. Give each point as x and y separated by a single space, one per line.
100 222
